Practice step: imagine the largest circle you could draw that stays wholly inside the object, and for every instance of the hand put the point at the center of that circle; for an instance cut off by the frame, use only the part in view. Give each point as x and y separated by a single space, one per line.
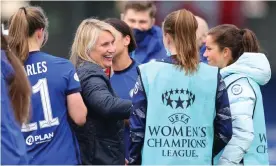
126 122
126 161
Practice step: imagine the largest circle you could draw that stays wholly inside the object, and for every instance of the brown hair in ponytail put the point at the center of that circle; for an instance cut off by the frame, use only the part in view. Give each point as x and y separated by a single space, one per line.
23 25
19 87
237 40
249 41
182 26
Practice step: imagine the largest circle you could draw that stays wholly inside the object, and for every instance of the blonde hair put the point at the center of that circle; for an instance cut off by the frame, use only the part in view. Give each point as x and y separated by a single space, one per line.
86 37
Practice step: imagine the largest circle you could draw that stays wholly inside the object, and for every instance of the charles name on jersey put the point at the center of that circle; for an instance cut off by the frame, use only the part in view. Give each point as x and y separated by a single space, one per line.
36 68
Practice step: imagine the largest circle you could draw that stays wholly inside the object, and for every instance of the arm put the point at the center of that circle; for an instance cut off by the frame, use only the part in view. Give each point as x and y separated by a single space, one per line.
242 102
98 97
223 121
137 124
76 107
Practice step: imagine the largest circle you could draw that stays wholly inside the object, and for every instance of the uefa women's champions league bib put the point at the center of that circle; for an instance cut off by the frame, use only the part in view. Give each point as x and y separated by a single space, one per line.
178 127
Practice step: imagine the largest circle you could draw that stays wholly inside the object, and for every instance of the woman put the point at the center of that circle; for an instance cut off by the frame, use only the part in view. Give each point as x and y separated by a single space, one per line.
124 67
235 51
175 117
15 104
55 94
101 138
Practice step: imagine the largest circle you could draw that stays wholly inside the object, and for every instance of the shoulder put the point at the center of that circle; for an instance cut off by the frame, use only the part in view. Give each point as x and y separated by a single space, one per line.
135 63
89 69
6 67
208 69
57 59
51 59
148 65
60 64
202 64
241 88
4 90
157 30
132 69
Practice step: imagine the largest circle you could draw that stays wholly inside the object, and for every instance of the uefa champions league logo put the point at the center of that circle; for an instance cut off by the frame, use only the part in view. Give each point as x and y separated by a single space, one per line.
178 98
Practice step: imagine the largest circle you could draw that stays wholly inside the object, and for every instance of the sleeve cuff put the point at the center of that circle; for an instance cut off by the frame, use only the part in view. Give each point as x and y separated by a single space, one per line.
76 90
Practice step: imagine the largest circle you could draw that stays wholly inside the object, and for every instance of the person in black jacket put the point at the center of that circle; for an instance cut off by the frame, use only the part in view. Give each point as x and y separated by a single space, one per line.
101 138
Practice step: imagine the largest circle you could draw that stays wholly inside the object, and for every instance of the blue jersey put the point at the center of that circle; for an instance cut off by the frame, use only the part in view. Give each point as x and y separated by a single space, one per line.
13 148
123 84
123 81
48 135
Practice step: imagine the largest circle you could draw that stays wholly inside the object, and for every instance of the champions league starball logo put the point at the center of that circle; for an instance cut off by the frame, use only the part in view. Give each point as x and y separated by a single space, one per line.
178 99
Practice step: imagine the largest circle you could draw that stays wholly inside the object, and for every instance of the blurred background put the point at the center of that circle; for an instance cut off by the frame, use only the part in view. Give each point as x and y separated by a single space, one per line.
259 16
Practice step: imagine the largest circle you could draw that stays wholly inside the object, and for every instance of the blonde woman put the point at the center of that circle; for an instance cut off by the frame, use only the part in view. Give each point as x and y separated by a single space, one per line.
101 138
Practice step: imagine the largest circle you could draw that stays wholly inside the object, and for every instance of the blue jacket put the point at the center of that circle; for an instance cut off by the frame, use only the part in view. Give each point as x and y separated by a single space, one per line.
149 45
13 147
201 52
242 97
101 138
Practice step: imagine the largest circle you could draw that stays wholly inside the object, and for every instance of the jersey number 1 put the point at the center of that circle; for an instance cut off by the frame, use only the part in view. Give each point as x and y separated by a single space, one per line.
42 87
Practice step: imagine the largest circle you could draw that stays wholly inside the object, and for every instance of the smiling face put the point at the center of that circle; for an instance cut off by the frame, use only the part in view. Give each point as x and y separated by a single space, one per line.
216 56
104 50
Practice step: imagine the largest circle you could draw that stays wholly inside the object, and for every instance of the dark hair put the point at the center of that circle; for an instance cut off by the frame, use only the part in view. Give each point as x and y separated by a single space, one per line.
141 6
182 26
125 30
23 25
237 40
18 85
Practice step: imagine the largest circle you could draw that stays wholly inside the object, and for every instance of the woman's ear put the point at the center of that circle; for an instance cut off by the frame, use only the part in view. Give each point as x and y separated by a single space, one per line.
168 39
40 33
227 56
227 53
126 40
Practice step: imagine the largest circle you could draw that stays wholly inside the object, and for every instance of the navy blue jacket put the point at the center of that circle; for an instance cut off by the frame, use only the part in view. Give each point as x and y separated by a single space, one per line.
101 138
201 52
149 45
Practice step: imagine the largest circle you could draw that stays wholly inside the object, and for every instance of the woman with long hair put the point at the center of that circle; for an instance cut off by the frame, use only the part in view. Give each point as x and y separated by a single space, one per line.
15 106
55 92
181 109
